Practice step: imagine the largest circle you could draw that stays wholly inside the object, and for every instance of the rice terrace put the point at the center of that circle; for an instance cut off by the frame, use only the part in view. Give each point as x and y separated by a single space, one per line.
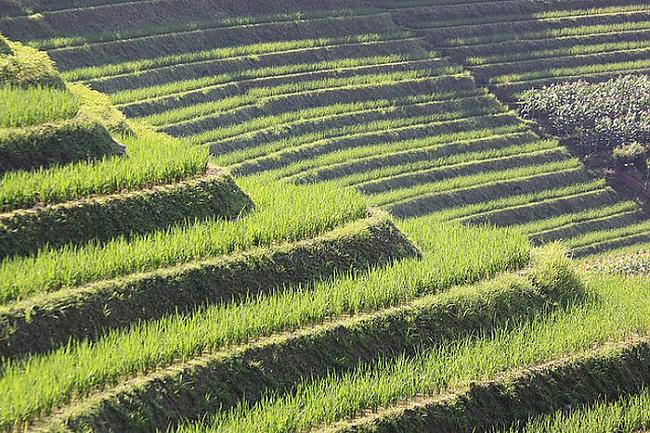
325 216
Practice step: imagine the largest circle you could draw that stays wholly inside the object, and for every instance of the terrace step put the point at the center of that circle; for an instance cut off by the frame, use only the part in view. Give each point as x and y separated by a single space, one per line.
531 48
151 47
573 230
202 68
420 154
573 61
408 179
498 190
464 14
604 373
526 29
147 16
304 100
612 244
414 130
221 380
546 208
101 218
88 312
205 94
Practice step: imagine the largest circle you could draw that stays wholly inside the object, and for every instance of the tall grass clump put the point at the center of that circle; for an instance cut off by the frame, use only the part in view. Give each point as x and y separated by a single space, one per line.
284 213
21 106
451 255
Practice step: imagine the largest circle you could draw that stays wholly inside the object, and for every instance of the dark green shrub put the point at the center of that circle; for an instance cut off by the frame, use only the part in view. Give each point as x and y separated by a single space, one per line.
630 153
597 117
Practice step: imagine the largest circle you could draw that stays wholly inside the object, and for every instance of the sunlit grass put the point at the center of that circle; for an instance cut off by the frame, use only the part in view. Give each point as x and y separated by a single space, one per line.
21 106
452 255
283 212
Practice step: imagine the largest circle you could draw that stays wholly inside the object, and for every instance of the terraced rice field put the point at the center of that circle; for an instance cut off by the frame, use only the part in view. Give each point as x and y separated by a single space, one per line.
395 100
314 220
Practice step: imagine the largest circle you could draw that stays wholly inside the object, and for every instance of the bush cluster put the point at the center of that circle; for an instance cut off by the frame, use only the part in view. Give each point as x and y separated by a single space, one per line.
611 117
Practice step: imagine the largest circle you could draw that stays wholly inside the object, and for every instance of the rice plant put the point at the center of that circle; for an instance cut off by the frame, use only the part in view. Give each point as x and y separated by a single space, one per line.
153 159
629 414
452 255
283 213
26 106
621 310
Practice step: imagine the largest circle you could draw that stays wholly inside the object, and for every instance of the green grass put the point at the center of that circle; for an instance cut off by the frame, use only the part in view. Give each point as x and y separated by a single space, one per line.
182 27
550 34
345 157
620 309
452 255
576 217
20 106
575 50
177 88
607 235
571 71
462 182
136 66
427 166
152 159
321 139
519 200
630 414
283 212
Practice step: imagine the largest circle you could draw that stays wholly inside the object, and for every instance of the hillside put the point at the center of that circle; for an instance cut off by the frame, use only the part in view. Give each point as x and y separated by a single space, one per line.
396 101
243 216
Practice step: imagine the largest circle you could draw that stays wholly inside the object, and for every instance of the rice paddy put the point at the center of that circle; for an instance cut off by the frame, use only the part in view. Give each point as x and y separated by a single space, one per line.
33 106
403 250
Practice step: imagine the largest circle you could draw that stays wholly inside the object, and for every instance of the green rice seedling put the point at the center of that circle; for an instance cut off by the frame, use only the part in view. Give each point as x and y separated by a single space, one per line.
346 157
570 30
538 227
153 159
474 210
313 145
199 111
273 122
620 309
452 255
136 66
20 106
441 109
570 51
459 183
630 414
637 7
589 239
63 42
283 213
406 171
495 14
572 71
179 87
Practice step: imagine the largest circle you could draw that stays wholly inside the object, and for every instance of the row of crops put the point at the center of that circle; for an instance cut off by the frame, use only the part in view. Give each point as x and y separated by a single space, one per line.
379 107
135 254
149 291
